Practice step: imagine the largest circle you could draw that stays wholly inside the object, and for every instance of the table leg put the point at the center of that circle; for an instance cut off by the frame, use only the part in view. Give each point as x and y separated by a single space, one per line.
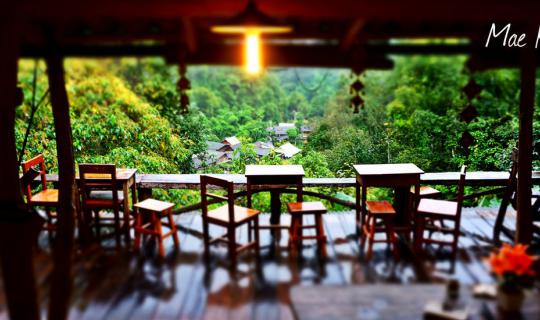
248 193
357 202
363 206
133 191
275 209
401 205
126 210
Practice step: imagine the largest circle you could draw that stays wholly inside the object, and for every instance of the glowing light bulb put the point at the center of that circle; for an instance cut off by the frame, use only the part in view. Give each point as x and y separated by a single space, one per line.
253 52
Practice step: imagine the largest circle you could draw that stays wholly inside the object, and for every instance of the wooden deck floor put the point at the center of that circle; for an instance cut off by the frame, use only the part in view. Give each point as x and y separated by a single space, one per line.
112 284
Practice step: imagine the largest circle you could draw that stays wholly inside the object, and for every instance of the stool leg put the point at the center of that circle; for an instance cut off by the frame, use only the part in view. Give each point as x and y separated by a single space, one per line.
117 230
172 225
292 230
300 230
98 223
371 237
363 235
418 233
232 247
206 238
157 226
138 224
255 230
321 238
391 236
249 230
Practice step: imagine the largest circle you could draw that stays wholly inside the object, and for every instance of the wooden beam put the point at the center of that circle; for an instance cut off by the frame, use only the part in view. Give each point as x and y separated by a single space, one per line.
16 235
189 35
310 56
280 55
446 10
352 34
526 112
63 243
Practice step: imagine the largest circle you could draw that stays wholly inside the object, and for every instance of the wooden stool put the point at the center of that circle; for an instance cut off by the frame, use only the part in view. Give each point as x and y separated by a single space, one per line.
156 210
385 213
297 211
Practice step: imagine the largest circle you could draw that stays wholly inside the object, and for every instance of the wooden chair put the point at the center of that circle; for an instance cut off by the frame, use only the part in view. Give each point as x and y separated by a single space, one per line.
155 210
509 198
431 210
379 219
99 191
228 216
298 211
46 198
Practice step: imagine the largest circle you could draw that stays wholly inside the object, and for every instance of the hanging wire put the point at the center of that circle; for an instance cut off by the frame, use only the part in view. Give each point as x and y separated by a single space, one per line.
316 87
33 110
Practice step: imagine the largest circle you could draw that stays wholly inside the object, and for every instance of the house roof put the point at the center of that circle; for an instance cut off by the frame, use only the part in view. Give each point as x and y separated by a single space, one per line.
288 150
232 141
213 145
261 152
281 128
261 144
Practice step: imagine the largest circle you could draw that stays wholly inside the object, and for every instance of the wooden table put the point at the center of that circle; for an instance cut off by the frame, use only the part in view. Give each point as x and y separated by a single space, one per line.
126 179
275 177
392 301
400 177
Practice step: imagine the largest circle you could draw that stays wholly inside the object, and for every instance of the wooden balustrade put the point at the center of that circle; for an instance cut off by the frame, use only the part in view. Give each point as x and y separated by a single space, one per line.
191 181
147 182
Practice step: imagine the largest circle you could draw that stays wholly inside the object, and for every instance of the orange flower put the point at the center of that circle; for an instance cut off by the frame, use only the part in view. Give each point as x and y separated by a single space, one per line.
512 259
498 265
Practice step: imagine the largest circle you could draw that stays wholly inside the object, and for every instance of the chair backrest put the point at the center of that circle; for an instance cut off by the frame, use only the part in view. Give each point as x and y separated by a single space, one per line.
36 163
228 186
97 177
461 188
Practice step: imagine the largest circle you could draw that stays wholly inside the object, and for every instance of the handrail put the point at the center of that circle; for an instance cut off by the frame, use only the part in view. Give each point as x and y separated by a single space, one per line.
147 182
192 181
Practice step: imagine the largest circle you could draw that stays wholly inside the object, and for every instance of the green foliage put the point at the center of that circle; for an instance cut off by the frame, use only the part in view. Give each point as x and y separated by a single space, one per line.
126 111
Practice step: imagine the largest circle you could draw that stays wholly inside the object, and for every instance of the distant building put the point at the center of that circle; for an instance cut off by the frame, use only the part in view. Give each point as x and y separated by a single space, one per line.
216 152
305 131
233 142
221 152
210 158
263 148
288 150
216 146
280 131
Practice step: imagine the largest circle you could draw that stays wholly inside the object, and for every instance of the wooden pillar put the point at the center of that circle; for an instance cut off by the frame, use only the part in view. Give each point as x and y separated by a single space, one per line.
526 111
17 236
63 244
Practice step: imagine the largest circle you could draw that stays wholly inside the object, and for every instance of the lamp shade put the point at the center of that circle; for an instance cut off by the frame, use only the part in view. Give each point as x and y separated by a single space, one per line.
251 20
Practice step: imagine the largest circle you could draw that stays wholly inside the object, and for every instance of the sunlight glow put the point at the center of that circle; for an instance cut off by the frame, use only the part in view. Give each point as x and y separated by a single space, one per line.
253 53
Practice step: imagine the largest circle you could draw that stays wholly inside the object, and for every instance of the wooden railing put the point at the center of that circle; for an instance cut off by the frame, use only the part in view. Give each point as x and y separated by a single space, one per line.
146 182
191 181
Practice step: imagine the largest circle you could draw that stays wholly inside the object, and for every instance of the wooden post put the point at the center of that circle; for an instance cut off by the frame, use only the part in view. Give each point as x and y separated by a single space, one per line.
526 110
63 245
17 235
